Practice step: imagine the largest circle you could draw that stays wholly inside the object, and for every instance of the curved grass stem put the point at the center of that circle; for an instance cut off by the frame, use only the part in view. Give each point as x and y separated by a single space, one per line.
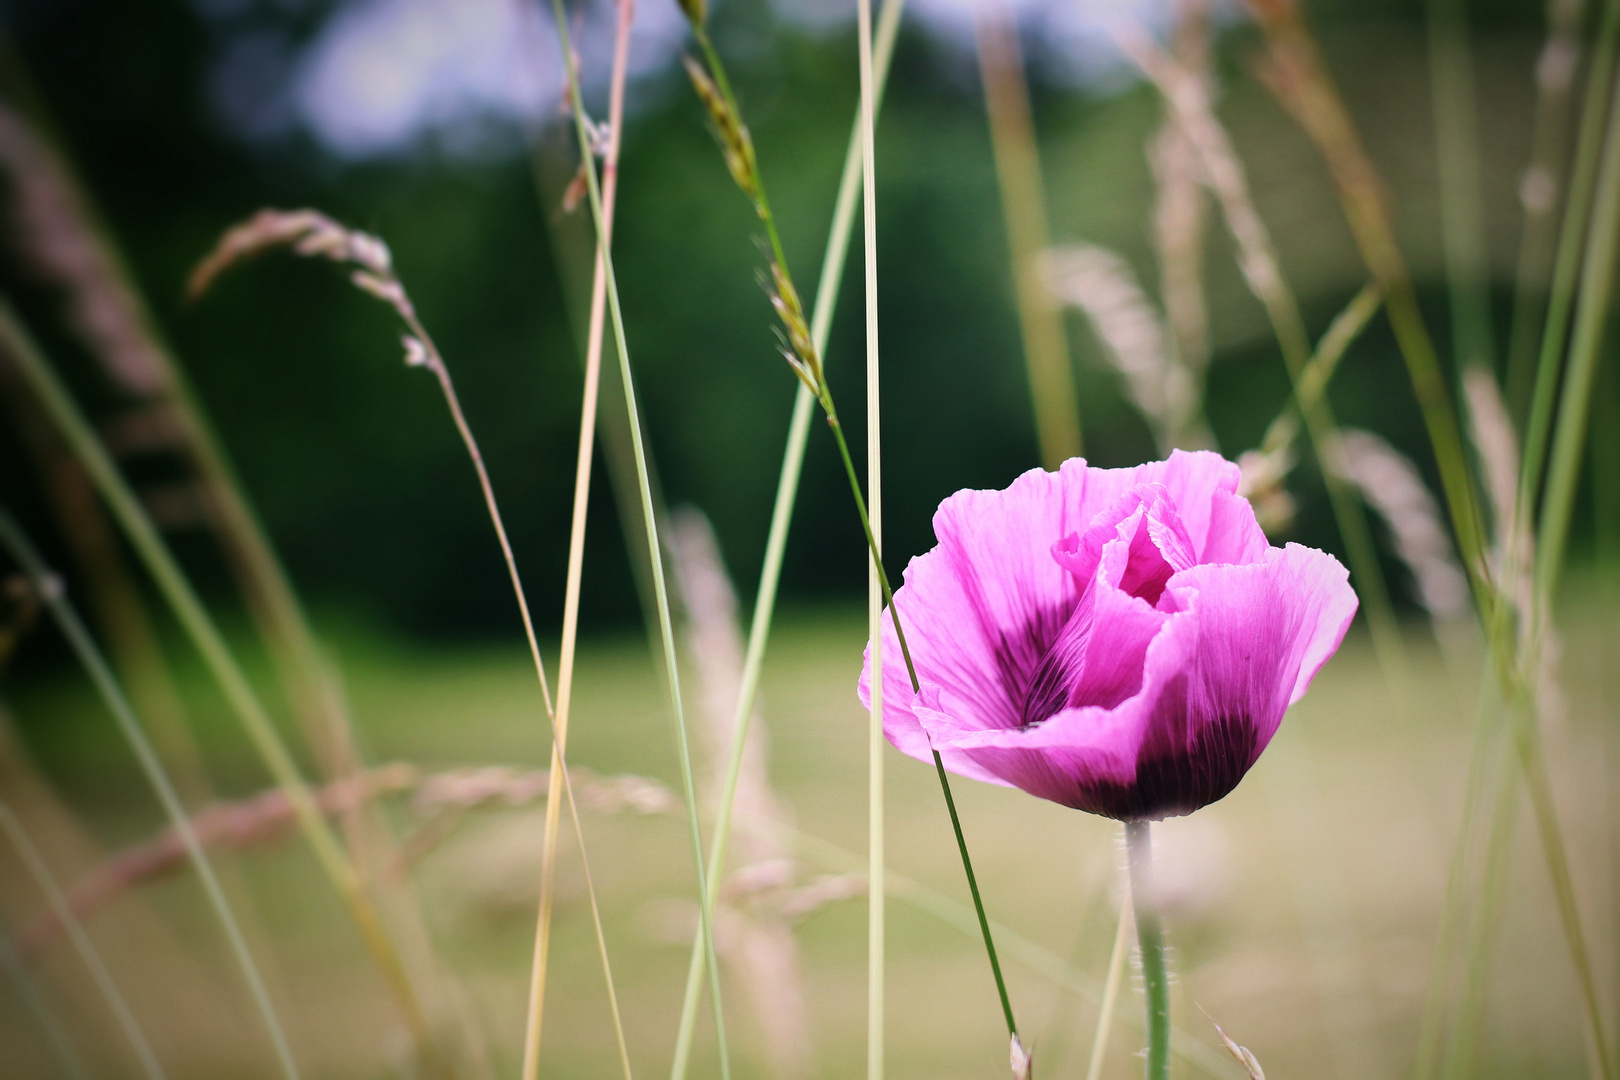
49 589
660 586
222 664
35 863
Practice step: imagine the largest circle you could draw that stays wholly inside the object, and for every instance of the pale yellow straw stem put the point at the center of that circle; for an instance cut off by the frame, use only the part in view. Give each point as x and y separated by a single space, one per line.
576 560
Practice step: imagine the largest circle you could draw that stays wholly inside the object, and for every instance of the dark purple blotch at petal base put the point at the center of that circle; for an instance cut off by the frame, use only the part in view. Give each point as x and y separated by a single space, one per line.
1122 641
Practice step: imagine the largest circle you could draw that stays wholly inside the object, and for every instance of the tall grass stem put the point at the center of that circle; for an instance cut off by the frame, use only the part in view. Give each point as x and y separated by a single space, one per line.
535 1014
222 664
666 629
804 404
875 924
1150 938
56 1037
49 589
37 868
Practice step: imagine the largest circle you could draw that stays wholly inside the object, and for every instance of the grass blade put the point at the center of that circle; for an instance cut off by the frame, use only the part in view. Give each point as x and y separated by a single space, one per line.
41 873
1110 994
49 589
55 1036
210 643
804 404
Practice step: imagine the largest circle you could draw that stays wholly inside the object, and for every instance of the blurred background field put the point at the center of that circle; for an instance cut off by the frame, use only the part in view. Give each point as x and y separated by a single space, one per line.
1303 910
1302 907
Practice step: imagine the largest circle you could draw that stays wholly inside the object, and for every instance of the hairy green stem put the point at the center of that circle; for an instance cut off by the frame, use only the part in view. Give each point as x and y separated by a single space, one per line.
1150 936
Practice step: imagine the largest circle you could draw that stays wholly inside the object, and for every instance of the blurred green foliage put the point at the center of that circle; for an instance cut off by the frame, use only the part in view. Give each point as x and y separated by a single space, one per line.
355 466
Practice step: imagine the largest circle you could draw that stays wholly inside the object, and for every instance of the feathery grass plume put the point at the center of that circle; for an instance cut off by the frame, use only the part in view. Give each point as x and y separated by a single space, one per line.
1392 486
60 234
1257 260
1293 69
268 818
50 226
761 946
1023 207
1101 284
313 234
1243 1054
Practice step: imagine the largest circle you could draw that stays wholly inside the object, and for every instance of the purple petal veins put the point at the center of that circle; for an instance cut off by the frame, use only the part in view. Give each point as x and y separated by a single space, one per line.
1122 641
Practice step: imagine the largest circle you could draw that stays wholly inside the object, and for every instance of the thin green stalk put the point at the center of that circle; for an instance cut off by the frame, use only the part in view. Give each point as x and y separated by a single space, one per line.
49 589
832 270
1299 77
1035 957
1572 238
660 586
210 643
1116 975
55 1036
738 148
1591 317
1150 937
35 863
1538 784
1568 447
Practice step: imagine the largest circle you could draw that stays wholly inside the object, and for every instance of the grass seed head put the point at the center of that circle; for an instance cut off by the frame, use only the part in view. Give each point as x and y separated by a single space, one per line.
735 142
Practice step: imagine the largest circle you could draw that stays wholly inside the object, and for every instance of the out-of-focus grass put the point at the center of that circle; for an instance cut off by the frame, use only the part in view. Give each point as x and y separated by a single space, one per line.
1303 907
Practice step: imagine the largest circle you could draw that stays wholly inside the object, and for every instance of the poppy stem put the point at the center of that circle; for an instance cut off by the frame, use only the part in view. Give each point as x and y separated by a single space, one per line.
1150 936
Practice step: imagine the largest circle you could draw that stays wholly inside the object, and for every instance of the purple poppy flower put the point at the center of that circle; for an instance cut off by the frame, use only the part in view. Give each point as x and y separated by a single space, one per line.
1122 641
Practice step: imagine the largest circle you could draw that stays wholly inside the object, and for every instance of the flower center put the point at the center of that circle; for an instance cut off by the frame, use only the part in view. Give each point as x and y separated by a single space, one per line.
1134 548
